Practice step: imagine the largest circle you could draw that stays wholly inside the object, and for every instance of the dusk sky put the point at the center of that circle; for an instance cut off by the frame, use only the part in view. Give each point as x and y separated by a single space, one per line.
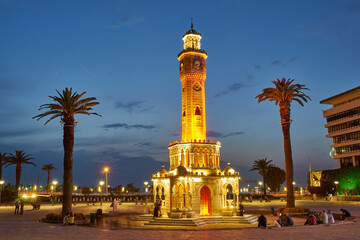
124 53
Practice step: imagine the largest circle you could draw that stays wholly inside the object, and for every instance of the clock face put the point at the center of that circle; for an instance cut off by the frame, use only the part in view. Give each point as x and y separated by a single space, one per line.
197 63
197 86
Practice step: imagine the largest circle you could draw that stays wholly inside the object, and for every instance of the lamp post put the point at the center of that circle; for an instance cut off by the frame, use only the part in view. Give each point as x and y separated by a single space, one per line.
106 170
146 183
336 183
260 184
1 184
101 184
54 184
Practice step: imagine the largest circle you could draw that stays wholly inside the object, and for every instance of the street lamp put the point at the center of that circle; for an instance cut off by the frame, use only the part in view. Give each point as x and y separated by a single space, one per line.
106 170
100 188
260 184
1 184
146 183
54 183
336 183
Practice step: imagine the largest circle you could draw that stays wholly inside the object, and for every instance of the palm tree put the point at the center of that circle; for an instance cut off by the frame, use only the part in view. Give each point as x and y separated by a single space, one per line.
262 166
48 167
283 94
18 159
3 159
66 105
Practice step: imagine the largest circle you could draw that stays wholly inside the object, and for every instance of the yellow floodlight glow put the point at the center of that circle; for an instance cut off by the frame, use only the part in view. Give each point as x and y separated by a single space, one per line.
106 169
196 179
231 171
24 196
33 196
181 178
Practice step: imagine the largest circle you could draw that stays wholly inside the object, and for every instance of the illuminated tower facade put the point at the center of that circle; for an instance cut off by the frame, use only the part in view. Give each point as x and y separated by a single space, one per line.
192 67
194 180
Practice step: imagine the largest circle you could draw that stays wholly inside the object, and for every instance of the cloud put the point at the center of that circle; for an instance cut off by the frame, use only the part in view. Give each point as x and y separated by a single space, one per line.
133 106
213 134
125 21
129 127
281 62
236 86
257 66
144 144
335 24
19 133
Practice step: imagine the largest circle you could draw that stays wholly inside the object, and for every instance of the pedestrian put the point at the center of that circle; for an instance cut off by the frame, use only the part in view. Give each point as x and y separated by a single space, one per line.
156 208
17 207
330 217
324 217
345 214
71 219
65 219
311 219
289 221
262 221
22 207
283 220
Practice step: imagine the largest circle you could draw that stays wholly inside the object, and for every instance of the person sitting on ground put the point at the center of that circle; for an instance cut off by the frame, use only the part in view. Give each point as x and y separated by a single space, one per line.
330 217
65 219
324 217
345 214
262 221
282 220
71 219
289 221
311 219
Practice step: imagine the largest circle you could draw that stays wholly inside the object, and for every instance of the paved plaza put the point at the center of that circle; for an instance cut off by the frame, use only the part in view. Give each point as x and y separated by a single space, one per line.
28 226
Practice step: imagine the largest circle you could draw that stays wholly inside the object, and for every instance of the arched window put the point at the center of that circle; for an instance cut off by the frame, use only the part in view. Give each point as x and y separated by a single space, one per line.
197 111
184 114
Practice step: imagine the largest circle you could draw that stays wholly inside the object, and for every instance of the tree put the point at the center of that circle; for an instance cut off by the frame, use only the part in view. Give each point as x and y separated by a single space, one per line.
3 159
283 94
262 166
49 167
274 177
18 159
66 105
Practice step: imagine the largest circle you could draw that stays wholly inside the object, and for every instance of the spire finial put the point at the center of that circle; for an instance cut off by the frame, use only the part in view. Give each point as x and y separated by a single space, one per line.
192 23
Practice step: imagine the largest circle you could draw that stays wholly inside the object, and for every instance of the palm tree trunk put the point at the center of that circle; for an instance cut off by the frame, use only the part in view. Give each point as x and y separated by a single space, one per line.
264 185
18 175
68 142
289 165
48 180
0 170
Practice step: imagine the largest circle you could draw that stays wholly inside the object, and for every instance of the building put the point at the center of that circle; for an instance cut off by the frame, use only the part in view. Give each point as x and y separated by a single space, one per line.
343 124
194 181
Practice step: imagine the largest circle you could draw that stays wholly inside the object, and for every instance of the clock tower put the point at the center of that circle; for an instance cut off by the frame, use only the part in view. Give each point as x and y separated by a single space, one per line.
194 179
192 60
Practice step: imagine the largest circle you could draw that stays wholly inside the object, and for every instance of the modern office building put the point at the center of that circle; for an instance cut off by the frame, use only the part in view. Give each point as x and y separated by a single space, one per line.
343 124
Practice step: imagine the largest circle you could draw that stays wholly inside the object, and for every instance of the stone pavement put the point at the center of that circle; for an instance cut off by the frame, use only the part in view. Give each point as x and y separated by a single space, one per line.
27 226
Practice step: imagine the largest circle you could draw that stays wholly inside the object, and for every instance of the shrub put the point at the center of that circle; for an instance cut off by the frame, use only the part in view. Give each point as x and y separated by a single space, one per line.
53 216
293 210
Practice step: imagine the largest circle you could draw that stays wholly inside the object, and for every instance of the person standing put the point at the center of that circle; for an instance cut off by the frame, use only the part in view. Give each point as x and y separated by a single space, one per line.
156 209
17 207
21 207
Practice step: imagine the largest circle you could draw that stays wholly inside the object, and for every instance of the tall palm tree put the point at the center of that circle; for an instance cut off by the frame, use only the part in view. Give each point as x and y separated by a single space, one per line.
66 105
262 166
48 167
18 159
283 94
3 159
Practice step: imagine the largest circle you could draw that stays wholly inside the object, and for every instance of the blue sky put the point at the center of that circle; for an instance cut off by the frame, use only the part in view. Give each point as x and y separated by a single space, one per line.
124 53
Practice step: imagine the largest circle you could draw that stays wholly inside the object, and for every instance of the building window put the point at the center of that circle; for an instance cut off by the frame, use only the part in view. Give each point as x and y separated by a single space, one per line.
197 111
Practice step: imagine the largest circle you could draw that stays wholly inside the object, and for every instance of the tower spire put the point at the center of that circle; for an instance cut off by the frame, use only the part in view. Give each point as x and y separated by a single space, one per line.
192 26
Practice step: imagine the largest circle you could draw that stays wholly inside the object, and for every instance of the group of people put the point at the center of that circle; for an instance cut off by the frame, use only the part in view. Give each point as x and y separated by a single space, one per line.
325 217
285 220
19 207
157 208
69 219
